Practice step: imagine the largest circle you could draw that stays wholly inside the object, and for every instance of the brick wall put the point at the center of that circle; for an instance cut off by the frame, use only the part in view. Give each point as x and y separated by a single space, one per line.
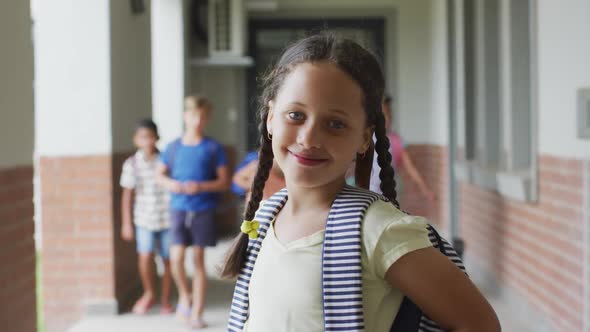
84 261
17 250
536 250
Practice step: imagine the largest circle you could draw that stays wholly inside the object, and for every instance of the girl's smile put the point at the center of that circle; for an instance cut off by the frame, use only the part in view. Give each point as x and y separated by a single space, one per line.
308 159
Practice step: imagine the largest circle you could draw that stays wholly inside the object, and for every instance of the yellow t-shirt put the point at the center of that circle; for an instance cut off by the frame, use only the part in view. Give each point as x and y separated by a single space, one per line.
286 284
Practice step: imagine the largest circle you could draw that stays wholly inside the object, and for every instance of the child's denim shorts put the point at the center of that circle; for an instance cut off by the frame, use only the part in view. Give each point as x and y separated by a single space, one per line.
147 240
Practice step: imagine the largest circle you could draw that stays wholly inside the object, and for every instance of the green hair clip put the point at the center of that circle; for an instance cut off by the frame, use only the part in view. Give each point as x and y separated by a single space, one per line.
250 228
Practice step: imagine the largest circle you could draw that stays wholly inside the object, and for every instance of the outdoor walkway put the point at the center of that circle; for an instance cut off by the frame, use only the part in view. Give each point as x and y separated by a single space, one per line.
218 301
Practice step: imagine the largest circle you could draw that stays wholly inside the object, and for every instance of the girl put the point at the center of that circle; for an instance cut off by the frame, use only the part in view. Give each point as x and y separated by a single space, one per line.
400 158
321 106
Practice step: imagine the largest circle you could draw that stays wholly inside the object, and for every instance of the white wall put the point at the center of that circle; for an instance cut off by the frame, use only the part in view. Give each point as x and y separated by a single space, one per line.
168 67
564 66
130 72
72 77
93 76
16 84
422 99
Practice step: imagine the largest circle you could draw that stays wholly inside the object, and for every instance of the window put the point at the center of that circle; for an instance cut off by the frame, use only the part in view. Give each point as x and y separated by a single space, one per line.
494 64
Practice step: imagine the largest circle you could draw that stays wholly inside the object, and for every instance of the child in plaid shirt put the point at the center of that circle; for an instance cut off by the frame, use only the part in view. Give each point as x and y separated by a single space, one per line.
146 203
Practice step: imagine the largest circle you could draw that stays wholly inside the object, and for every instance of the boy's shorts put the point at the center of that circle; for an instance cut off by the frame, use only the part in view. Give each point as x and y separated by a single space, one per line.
194 228
147 239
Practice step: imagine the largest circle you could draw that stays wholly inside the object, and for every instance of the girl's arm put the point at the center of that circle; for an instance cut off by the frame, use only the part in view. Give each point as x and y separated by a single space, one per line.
126 214
245 176
442 291
408 165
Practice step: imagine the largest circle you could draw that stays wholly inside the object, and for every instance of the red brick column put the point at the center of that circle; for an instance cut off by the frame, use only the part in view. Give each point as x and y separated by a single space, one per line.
86 267
17 250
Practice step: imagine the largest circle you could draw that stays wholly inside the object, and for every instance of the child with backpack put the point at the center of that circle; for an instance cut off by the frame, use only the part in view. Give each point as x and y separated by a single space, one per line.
194 169
145 204
324 256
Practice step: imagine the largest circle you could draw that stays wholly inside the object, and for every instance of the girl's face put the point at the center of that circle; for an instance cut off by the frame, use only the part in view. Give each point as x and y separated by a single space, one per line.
318 124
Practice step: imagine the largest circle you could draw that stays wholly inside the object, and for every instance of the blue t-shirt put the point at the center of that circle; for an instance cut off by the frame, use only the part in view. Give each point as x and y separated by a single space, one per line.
194 163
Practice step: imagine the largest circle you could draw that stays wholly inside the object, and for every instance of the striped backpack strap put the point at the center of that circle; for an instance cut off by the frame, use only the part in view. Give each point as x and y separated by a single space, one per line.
240 302
410 317
341 261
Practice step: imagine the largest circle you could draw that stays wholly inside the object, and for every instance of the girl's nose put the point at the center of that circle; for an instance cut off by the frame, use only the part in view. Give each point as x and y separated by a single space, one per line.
310 136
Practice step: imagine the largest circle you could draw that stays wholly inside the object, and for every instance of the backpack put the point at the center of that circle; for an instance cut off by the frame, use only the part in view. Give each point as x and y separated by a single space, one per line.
341 290
409 316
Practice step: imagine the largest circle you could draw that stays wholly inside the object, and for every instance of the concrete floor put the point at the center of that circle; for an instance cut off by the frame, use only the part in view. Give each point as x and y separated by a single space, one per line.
216 314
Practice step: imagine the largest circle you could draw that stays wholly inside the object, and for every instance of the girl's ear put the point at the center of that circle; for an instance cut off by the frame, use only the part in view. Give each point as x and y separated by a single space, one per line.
269 117
367 139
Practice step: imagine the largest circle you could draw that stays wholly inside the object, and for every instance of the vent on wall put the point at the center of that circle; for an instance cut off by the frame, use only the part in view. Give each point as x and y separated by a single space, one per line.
222 33
226 34
226 27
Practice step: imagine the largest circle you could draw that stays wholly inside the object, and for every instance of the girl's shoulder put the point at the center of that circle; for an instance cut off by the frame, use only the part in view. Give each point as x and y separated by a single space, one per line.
382 217
388 234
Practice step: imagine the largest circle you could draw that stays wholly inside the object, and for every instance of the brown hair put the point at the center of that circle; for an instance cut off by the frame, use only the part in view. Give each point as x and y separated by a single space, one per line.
366 71
201 102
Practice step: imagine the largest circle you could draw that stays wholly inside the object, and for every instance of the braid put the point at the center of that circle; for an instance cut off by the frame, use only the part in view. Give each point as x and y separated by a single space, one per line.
237 254
264 165
387 174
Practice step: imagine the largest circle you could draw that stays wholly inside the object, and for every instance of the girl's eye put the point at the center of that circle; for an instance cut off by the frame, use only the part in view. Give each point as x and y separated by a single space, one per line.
297 116
336 124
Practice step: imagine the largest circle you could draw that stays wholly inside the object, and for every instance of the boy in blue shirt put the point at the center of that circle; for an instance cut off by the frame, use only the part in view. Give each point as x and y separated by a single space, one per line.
194 169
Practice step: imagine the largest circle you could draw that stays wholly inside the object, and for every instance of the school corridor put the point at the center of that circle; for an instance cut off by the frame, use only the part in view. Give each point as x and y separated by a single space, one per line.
491 99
